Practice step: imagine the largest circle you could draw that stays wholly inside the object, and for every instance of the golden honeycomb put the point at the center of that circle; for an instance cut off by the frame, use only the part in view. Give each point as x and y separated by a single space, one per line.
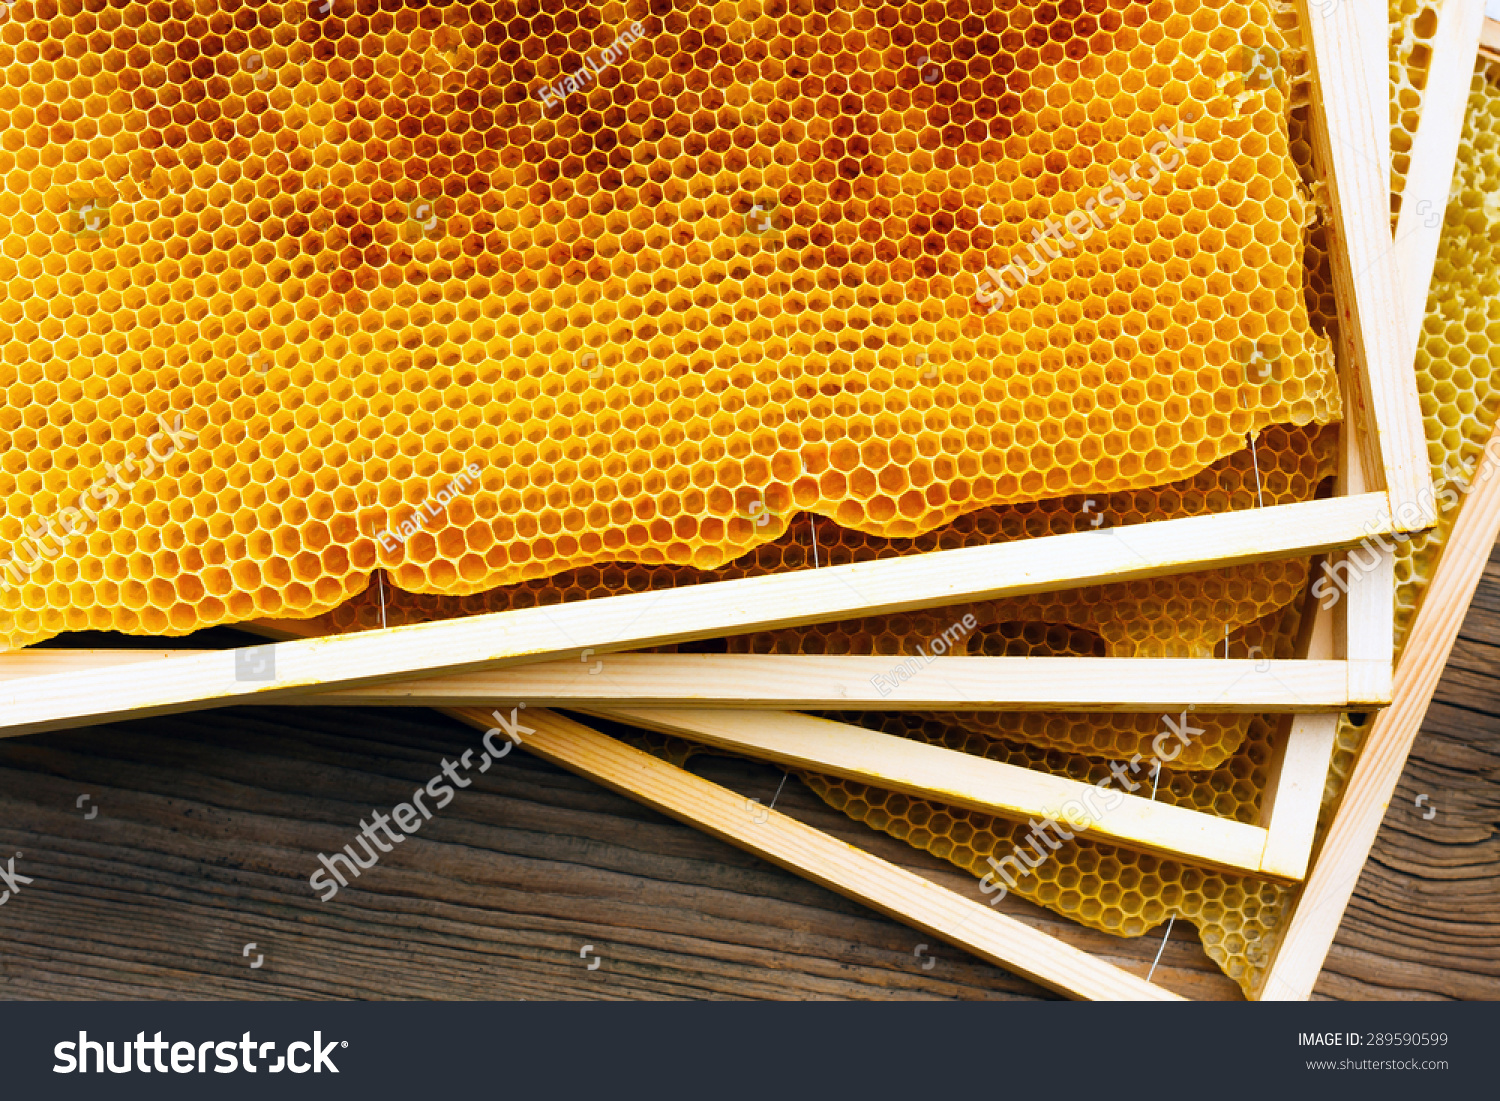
1100 885
282 280
1322 308
1413 25
1127 893
1183 616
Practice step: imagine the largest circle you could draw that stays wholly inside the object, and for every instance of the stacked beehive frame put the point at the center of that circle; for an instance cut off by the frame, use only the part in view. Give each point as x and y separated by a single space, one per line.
453 663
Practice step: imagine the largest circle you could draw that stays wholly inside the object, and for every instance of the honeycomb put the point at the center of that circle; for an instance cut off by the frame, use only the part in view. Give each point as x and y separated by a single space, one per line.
1103 886
1413 25
620 282
1127 893
1322 307
1180 616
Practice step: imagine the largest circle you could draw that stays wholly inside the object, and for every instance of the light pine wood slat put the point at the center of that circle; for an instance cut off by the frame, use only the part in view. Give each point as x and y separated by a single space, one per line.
32 704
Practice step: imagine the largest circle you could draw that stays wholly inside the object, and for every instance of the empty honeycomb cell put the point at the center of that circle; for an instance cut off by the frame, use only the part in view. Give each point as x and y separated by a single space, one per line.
672 276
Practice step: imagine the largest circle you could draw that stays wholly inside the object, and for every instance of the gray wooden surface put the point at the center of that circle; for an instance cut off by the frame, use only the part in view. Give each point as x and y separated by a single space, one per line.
209 825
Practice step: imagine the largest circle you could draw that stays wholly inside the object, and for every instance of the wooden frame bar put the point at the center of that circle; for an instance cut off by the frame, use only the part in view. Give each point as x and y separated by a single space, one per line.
34 704
1294 794
1368 630
1350 126
829 682
976 783
820 682
1351 135
1299 769
1434 156
1363 631
853 873
1320 906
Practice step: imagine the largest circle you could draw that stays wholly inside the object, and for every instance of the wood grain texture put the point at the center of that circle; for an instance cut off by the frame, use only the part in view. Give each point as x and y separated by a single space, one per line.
820 682
1424 919
210 824
35 704
948 915
1351 142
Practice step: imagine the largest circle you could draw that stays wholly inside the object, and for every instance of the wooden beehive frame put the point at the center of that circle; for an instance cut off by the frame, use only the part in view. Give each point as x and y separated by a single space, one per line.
1349 665
1321 902
1320 908
1298 958
1382 413
565 632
